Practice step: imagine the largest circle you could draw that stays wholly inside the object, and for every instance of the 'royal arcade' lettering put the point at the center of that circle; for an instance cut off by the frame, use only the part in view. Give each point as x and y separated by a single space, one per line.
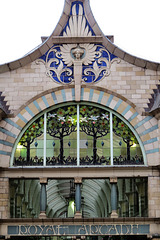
78 229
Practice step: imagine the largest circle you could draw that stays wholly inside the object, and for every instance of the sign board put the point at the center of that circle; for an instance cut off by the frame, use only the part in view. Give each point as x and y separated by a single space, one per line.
85 230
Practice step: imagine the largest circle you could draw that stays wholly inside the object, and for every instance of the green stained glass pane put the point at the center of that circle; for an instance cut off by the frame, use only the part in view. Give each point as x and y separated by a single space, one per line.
30 148
95 140
61 129
94 129
126 149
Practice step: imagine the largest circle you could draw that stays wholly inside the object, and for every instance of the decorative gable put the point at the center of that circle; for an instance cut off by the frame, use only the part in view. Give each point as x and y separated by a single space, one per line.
82 60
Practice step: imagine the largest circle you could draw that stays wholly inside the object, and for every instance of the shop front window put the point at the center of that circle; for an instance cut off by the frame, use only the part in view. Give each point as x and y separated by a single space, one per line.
78 135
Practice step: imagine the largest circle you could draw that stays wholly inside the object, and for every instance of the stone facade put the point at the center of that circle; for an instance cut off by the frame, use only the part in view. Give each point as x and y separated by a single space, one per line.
4 198
127 90
134 83
154 195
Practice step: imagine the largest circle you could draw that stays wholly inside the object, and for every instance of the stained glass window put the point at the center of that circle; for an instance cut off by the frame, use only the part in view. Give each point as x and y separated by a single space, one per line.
78 135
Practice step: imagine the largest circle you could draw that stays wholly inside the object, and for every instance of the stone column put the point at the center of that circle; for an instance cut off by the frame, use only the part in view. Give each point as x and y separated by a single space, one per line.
78 182
113 182
43 198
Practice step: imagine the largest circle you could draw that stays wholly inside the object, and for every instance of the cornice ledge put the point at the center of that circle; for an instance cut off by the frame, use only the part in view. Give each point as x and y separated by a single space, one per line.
91 39
82 220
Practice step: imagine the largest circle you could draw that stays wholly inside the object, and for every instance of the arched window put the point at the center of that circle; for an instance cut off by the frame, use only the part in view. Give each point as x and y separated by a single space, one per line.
78 135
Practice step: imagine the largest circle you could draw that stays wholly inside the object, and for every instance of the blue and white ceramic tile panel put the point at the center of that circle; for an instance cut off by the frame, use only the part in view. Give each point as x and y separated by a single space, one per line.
55 63
61 73
67 95
94 68
77 5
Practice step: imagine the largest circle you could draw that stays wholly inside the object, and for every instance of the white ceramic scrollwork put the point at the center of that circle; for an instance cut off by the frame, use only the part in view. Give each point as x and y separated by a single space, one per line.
94 59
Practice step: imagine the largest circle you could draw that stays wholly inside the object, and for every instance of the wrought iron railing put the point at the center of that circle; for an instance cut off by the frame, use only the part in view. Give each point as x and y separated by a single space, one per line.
57 161
33 161
120 160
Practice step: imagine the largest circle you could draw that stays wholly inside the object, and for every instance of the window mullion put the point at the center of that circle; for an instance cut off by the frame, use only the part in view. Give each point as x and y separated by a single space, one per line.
45 135
111 137
78 145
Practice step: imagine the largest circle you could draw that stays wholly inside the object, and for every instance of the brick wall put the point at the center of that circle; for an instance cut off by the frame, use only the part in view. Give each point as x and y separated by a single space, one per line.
4 198
134 83
154 197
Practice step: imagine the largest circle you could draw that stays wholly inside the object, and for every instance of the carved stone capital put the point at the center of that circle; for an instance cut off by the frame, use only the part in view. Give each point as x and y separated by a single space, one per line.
42 215
77 180
114 214
78 215
43 180
113 180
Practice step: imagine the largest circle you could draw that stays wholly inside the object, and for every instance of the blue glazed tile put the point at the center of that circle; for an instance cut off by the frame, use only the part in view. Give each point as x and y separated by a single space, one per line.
54 97
63 95
126 110
152 151
82 93
149 130
37 106
77 10
109 100
29 111
91 94
133 116
5 153
73 94
6 143
45 101
118 104
100 96
22 118
12 123
143 121
91 77
8 133
152 140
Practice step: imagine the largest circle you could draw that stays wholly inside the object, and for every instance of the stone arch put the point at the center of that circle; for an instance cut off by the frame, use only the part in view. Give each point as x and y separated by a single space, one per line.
146 126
